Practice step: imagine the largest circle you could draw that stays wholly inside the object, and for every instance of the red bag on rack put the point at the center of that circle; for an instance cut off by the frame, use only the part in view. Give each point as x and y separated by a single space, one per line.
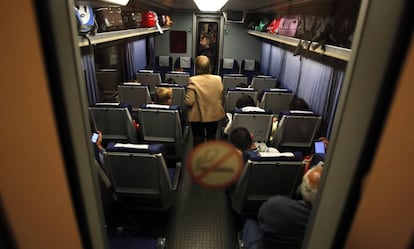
288 25
273 26
149 19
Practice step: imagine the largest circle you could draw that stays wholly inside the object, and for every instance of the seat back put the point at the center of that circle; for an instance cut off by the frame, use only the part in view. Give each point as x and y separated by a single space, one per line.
162 124
233 81
180 78
186 64
134 94
228 66
114 122
261 83
259 124
296 131
107 80
276 100
250 68
233 94
150 78
266 177
140 175
163 64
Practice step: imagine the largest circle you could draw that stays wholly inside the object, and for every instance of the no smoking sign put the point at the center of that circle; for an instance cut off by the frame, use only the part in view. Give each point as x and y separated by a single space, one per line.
215 164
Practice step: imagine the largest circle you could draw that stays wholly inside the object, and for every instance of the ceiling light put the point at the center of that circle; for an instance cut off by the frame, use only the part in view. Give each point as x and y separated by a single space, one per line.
210 5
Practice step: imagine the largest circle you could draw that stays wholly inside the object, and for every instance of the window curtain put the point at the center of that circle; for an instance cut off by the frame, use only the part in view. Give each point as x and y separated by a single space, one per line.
88 65
314 84
129 57
289 75
277 61
264 62
333 98
136 57
150 52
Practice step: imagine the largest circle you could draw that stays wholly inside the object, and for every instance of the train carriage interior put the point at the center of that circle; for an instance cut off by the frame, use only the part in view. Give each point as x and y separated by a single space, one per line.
134 186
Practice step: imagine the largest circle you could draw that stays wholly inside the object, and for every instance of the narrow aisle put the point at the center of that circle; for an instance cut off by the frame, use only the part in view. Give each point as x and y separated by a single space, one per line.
201 218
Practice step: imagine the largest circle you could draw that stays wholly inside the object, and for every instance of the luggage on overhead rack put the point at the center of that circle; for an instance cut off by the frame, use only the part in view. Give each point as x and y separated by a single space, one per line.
109 19
85 20
288 25
132 19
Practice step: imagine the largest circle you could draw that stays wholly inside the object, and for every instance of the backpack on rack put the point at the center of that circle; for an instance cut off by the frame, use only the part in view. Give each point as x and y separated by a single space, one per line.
273 27
313 29
288 25
85 20
150 20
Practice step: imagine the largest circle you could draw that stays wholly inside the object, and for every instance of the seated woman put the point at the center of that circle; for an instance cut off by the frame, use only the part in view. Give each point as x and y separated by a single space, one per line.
163 96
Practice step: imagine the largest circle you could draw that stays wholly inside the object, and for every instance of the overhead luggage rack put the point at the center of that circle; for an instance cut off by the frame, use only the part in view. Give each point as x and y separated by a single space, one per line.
117 35
331 51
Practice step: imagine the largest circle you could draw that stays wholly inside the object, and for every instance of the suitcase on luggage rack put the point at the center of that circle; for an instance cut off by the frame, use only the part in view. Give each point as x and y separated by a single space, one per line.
109 19
131 19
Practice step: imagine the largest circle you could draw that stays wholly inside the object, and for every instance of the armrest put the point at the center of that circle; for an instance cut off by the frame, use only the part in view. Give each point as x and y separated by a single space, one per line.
176 178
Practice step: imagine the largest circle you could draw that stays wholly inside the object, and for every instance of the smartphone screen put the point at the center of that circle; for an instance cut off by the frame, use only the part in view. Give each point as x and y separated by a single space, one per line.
94 137
319 148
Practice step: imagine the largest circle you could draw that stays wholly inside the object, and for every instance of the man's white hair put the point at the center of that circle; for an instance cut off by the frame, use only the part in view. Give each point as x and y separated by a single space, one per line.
310 184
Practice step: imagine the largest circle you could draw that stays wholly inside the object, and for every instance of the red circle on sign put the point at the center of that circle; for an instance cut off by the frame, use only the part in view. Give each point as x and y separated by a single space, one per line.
207 159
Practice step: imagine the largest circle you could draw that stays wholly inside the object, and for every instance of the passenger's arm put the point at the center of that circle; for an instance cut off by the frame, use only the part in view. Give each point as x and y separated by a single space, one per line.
190 97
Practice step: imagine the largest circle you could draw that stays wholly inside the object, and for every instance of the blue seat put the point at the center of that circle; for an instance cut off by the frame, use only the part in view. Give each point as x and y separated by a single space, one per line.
229 66
140 176
180 78
296 130
266 175
134 94
232 81
185 64
163 64
114 121
261 83
233 94
162 124
250 68
150 78
258 123
276 99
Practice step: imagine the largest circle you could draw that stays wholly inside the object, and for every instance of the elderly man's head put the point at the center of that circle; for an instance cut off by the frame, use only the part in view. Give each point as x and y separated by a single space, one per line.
310 184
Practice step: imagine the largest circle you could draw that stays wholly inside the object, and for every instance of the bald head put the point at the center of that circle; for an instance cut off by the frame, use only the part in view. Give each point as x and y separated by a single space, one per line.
310 184
202 64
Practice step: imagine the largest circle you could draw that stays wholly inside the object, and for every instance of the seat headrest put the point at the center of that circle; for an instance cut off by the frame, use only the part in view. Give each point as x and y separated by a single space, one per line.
131 84
136 148
157 106
146 71
179 72
108 104
164 61
228 63
242 89
185 62
273 156
252 109
249 65
276 90
170 85
296 113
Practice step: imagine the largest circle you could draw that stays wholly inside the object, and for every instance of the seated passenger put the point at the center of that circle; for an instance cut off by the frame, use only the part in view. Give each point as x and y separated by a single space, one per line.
296 104
282 221
244 104
242 139
163 96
